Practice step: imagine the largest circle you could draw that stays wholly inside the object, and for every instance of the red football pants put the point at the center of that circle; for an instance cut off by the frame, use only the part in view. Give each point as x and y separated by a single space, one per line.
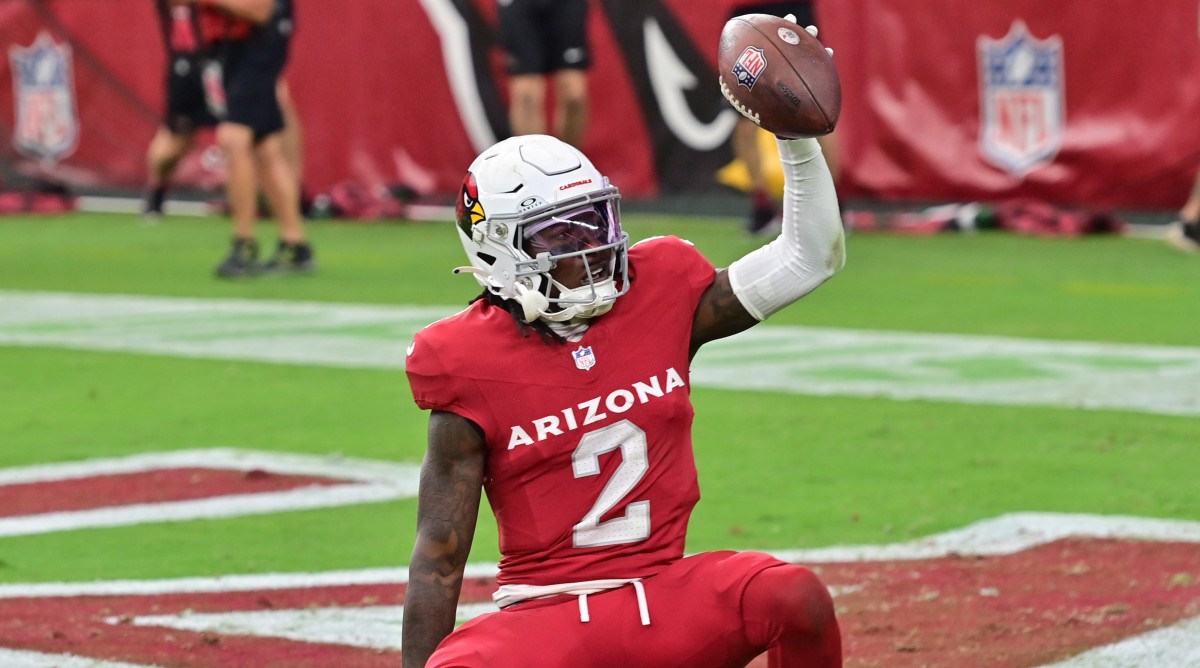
706 611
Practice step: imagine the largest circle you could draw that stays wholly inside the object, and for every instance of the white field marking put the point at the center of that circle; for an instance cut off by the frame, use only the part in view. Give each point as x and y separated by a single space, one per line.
376 627
1006 534
1175 646
12 658
367 481
310 333
226 583
956 368
379 627
801 360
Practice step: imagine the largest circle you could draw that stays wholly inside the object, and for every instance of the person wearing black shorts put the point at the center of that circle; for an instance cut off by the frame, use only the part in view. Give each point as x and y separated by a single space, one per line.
545 43
186 110
764 210
247 42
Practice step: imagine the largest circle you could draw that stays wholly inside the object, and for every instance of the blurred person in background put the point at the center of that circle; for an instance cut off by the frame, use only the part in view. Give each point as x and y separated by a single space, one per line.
545 44
187 111
247 46
1184 233
186 107
764 209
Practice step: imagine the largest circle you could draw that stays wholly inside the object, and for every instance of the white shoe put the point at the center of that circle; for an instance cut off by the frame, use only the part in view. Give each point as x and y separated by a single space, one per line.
1178 237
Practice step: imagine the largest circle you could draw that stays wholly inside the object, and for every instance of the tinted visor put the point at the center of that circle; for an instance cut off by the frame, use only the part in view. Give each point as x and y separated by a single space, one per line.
590 226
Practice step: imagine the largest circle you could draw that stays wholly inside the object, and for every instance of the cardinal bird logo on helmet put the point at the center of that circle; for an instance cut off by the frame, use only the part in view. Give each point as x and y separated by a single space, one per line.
469 211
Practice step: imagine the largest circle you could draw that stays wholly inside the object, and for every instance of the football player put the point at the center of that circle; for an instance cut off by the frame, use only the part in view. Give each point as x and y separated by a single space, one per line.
563 392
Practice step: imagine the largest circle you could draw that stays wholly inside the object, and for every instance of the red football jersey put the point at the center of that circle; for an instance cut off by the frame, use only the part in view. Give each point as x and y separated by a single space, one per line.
590 470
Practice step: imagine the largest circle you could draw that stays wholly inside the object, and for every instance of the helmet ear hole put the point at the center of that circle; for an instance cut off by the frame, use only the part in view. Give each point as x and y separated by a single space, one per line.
490 259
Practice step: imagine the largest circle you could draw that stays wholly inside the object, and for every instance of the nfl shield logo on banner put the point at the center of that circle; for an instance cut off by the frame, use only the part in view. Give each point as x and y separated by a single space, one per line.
584 359
47 124
1021 99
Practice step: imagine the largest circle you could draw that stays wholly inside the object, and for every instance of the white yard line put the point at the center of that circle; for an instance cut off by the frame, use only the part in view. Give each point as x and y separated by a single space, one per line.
1006 534
379 627
12 658
234 459
1175 646
366 481
801 360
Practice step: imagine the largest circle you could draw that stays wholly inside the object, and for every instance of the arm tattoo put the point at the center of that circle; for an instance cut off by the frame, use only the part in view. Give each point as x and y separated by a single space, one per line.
719 314
447 509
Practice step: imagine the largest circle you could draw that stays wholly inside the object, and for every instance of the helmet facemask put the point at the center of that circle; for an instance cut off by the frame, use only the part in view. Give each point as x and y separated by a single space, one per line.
585 247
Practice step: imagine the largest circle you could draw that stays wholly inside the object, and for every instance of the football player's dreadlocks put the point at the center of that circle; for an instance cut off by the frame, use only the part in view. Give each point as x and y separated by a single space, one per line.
514 309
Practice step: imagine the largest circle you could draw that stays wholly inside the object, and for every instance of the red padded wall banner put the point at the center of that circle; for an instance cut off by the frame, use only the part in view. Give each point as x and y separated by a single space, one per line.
1080 101
1088 102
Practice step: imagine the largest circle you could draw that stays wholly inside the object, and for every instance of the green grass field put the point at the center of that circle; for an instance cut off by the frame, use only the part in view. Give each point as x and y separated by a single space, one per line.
778 470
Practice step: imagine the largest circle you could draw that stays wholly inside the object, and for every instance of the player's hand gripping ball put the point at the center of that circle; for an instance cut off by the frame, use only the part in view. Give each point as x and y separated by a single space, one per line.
778 75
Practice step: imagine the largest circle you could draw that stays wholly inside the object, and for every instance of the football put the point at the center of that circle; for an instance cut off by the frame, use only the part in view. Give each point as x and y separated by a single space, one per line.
779 76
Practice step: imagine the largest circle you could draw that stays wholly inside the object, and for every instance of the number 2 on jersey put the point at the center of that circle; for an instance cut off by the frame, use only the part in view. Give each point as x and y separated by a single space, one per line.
634 525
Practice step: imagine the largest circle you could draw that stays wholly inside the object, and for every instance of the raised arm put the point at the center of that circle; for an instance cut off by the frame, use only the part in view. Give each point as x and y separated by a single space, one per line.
447 508
810 248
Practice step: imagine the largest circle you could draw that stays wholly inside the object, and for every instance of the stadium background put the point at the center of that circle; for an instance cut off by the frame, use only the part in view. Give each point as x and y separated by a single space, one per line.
404 93
942 380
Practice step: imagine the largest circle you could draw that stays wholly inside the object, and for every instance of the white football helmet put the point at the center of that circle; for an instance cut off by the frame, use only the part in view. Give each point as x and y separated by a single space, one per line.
530 202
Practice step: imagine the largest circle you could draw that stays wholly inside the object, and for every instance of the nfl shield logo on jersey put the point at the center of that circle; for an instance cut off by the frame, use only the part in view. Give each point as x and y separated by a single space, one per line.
47 124
1021 99
584 359
749 66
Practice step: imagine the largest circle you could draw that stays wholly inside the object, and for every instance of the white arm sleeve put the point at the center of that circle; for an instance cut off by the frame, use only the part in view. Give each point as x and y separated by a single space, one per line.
811 246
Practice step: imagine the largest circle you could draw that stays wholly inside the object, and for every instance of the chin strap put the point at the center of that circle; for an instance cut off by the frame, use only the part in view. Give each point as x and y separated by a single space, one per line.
534 304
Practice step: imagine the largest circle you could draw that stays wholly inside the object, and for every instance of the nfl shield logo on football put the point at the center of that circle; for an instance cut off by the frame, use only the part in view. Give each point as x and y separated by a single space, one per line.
749 66
584 359
47 124
1022 100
